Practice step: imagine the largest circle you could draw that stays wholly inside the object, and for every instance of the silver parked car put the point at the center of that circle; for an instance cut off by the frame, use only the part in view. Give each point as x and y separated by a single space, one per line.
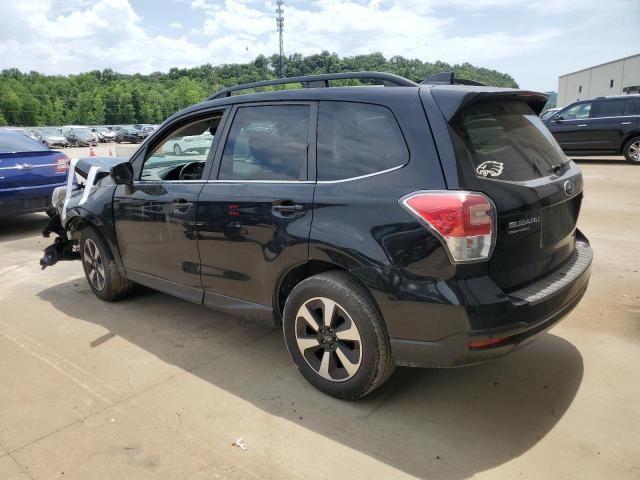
51 137
104 134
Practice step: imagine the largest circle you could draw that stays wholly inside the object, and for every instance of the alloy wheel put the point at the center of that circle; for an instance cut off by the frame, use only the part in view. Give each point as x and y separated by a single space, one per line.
94 265
634 151
328 339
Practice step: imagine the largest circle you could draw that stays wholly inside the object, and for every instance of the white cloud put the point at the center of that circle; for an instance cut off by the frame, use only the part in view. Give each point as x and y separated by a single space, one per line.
68 36
104 34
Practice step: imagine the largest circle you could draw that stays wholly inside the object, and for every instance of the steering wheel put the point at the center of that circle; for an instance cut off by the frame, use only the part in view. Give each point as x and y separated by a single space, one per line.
191 171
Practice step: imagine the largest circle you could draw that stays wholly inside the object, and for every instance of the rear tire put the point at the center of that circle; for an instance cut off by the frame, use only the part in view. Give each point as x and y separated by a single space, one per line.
101 270
336 336
631 150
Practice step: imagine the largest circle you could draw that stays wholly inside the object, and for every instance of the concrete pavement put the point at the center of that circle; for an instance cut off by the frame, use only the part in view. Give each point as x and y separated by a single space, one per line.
154 387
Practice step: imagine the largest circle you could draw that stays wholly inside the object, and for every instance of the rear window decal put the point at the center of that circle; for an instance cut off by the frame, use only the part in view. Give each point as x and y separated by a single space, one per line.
490 169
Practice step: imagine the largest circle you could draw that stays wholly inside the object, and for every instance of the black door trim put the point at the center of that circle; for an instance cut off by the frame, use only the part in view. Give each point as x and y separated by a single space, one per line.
240 308
184 292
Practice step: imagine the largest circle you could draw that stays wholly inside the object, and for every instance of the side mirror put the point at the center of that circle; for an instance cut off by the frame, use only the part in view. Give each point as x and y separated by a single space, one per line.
558 118
122 174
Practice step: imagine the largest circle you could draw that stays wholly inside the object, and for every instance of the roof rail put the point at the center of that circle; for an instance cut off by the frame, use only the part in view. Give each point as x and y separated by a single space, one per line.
448 78
321 81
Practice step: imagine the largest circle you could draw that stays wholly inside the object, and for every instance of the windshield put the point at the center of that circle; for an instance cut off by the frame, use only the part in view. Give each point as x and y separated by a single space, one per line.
506 140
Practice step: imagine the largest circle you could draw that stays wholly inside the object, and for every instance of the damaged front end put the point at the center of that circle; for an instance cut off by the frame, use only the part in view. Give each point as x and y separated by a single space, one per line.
62 248
74 206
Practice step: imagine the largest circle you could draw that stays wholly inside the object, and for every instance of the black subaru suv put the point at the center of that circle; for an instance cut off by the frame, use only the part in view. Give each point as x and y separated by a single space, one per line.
602 126
429 225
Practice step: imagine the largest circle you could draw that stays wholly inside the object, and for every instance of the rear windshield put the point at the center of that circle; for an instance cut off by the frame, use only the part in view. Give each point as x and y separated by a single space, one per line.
505 140
17 143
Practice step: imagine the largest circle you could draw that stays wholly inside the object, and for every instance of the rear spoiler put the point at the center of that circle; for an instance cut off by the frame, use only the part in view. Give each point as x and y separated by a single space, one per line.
452 99
449 78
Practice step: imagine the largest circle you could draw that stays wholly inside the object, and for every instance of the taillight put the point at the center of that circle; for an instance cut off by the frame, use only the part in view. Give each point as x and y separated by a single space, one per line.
464 221
62 164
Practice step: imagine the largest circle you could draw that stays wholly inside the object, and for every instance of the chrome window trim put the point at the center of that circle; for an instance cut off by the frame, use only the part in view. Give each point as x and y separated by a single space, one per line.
149 182
615 116
350 179
261 181
324 182
153 182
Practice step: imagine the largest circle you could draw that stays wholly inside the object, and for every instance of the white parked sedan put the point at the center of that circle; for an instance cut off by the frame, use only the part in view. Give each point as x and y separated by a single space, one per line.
190 144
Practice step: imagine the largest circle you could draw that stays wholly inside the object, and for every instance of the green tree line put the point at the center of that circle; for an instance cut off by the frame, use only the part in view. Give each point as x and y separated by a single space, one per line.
108 97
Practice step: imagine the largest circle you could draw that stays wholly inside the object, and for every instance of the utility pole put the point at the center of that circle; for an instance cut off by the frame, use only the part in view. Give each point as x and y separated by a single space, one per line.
280 25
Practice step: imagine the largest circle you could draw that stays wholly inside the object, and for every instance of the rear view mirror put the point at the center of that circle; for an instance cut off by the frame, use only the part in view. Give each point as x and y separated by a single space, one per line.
122 173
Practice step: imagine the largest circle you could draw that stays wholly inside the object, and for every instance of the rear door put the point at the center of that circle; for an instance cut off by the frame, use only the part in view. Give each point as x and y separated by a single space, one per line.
571 127
254 216
508 154
613 119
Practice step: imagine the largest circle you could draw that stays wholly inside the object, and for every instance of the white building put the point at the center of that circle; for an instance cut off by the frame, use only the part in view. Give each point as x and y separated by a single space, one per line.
612 78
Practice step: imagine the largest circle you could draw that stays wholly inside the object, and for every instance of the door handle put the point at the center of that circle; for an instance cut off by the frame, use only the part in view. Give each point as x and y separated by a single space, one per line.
625 123
582 125
181 204
287 206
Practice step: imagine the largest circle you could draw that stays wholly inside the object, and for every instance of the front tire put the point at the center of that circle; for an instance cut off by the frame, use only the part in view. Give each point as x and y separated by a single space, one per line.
336 336
631 150
101 271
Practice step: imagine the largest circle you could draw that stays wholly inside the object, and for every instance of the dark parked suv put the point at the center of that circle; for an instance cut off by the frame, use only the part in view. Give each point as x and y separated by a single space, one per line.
428 225
603 126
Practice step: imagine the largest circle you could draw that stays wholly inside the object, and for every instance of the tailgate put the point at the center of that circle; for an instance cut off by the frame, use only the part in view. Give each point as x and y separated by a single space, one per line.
503 150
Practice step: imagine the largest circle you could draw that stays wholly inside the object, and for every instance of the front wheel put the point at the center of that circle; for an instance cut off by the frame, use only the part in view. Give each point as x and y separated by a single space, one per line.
336 336
101 271
632 150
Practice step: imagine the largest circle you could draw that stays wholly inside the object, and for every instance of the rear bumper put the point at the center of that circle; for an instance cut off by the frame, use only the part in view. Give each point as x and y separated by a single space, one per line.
478 311
27 199
454 351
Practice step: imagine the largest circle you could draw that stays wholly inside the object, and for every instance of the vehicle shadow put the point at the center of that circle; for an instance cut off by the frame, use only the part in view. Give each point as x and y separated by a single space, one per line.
17 226
428 423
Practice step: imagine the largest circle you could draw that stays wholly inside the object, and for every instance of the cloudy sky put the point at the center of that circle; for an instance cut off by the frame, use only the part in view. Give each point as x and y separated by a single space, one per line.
533 40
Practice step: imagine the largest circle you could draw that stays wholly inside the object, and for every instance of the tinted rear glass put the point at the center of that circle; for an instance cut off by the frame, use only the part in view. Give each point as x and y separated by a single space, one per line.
356 139
505 140
614 108
267 143
19 143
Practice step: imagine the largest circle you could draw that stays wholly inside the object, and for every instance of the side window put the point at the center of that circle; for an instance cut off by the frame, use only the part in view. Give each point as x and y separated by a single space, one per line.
611 108
267 143
356 139
181 155
577 112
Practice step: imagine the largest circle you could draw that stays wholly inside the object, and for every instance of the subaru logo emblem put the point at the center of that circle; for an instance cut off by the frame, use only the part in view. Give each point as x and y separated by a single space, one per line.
569 188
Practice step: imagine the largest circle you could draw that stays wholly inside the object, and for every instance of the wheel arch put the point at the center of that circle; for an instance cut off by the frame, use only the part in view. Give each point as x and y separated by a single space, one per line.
81 218
301 272
628 138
